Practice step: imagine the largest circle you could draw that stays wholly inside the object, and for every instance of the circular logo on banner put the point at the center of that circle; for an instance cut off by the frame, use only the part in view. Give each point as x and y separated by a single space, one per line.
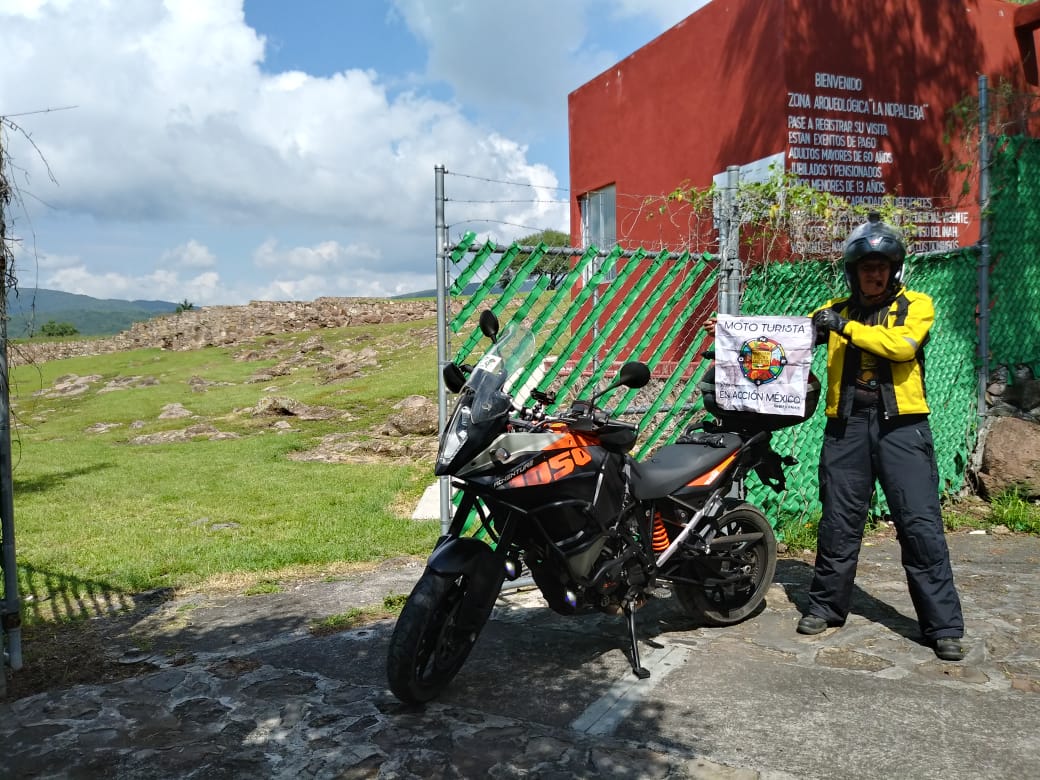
761 360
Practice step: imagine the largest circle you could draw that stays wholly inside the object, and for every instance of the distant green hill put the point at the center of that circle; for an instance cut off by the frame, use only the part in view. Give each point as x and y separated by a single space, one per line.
29 309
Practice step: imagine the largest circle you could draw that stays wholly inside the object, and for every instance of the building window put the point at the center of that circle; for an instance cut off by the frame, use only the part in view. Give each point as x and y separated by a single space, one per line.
599 226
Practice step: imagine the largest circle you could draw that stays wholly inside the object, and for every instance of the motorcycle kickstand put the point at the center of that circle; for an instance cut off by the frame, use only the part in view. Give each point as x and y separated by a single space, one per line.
637 667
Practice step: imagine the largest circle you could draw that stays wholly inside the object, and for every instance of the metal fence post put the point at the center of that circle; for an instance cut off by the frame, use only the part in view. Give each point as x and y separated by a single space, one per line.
984 259
729 242
442 330
10 606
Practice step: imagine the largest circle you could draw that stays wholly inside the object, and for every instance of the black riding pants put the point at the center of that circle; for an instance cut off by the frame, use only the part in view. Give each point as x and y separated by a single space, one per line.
899 454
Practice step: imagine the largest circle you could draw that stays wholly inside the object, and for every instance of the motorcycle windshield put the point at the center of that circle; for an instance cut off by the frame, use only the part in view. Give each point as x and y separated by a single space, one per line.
483 406
512 352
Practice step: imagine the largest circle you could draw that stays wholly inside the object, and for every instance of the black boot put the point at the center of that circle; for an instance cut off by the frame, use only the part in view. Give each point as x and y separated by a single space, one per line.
949 648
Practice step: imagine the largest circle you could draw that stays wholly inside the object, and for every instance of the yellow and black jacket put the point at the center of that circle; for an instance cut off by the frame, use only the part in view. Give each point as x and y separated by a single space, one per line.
896 334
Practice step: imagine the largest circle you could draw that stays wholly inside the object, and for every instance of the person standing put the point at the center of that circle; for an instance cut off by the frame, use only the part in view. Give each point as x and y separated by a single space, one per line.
877 430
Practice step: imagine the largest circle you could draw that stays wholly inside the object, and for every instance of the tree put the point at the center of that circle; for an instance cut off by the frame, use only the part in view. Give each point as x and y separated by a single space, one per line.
554 266
185 305
52 328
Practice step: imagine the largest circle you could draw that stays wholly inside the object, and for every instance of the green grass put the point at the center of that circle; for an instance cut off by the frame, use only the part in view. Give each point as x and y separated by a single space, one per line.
1011 510
355 616
798 533
957 521
97 516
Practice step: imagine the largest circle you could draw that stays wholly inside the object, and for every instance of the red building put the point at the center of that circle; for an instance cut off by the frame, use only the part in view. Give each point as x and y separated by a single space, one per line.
852 97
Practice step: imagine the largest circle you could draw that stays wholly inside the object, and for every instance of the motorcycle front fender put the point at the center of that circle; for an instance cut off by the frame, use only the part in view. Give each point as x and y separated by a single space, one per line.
485 570
459 555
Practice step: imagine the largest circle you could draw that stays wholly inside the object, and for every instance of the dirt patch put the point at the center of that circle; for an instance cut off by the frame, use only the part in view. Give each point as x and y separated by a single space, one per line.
60 655
116 645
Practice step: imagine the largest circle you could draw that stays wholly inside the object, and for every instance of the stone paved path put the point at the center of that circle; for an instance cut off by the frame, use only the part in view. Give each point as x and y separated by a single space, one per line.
241 690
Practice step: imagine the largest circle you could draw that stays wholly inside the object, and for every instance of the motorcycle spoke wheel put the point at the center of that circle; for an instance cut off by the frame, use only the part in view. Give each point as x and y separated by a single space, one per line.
429 644
725 605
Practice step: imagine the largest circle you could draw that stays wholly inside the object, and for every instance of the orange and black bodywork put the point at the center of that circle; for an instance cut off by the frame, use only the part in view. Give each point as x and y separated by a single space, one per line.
560 478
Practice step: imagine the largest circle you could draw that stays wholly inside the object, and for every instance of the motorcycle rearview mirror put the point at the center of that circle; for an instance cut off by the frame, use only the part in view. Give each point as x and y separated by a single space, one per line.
454 379
632 374
489 324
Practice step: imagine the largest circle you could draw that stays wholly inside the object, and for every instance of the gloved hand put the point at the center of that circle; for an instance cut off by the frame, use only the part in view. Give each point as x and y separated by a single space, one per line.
828 319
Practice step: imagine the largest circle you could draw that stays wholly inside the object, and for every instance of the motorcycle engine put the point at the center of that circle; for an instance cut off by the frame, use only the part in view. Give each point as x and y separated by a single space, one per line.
597 577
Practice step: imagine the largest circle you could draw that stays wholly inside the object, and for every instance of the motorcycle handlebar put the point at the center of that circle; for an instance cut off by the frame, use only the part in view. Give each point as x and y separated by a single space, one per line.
582 415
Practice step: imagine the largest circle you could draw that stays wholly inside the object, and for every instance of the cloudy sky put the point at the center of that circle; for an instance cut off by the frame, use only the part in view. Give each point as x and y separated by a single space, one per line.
221 151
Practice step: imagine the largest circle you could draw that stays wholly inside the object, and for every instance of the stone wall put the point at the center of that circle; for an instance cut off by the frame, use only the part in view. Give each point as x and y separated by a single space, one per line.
230 325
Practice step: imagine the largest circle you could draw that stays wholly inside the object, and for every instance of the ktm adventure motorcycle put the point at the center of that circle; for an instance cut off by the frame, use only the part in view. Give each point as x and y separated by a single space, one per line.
559 496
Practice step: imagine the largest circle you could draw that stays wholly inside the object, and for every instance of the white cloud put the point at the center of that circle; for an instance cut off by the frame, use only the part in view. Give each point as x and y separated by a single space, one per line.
190 255
325 256
521 53
174 119
158 116
363 284
27 8
526 57
205 288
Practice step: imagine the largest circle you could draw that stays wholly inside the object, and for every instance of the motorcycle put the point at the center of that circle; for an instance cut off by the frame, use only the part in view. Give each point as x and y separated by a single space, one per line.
558 496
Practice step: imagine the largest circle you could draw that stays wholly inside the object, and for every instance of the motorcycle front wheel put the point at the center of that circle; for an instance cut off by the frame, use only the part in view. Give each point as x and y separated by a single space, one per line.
729 603
429 643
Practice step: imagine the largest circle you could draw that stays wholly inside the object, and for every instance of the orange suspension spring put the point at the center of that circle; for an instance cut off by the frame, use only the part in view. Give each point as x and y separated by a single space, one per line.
659 542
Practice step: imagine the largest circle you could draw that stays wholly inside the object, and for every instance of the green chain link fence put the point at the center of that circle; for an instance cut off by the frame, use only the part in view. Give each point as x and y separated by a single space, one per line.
1015 252
950 378
654 308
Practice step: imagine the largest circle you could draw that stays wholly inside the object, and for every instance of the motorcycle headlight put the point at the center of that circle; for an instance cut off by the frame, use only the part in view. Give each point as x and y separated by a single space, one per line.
455 435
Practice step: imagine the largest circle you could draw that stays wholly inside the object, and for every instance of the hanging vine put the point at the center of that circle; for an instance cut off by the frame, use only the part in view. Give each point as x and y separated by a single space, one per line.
780 218
1012 109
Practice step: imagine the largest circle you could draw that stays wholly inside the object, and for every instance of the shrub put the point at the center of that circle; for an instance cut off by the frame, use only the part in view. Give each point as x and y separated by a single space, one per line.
52 328
1016 513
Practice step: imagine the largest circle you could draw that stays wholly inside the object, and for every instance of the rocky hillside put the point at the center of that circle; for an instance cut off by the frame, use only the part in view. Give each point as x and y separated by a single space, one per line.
1011 434
232 325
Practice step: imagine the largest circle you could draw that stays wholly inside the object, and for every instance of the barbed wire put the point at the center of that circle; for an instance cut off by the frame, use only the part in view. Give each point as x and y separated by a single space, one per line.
534 200
532 228
504 181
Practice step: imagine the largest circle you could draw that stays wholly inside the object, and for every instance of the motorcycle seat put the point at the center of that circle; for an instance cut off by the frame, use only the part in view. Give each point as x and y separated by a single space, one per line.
676 465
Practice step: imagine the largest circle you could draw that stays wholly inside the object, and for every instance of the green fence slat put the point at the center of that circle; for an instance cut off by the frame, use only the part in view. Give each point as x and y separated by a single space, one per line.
471 268
503 300
587 291
679 321
547 344
531 299
591 321
486 287
461 249
622 340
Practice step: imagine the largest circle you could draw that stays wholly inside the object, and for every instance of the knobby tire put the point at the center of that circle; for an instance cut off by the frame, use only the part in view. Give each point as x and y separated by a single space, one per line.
428 647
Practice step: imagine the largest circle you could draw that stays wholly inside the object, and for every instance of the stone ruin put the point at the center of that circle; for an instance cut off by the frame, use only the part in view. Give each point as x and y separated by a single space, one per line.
223 326
408 435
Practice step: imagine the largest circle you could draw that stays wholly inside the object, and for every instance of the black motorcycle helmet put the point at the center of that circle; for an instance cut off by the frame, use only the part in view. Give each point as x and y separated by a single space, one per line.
874 238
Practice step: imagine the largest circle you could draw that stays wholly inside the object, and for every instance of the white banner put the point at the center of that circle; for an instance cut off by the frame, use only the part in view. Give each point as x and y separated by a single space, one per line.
762 363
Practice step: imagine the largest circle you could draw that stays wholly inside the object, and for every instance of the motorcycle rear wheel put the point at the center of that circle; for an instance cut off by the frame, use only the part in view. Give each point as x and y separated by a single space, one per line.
730 604
428 645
